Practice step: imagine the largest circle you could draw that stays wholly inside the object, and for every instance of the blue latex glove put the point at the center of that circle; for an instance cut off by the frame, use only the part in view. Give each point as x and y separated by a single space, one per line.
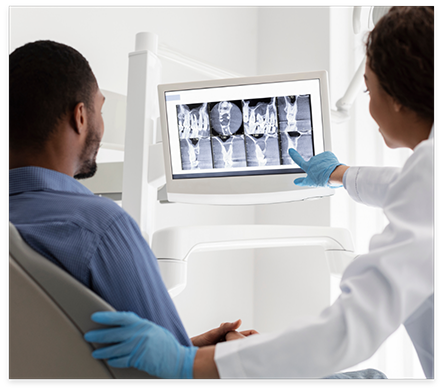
319 168
141 344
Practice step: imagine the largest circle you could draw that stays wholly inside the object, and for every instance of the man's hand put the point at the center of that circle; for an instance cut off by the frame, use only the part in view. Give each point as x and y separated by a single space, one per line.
220 334
239 334
216 335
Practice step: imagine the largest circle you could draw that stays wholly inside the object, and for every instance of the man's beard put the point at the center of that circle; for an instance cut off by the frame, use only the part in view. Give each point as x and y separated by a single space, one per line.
88 156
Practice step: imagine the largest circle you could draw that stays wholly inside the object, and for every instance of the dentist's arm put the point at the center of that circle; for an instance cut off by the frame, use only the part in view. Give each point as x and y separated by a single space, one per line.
142 344
204 364
367 185
336 177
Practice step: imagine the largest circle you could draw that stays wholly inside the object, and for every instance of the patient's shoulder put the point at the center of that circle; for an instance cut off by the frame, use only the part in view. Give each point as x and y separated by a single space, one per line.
99 213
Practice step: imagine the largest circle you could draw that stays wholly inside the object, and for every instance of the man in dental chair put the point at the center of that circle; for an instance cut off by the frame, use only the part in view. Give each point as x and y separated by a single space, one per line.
55 132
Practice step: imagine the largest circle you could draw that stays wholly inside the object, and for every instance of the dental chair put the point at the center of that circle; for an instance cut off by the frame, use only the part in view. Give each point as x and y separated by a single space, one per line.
49 312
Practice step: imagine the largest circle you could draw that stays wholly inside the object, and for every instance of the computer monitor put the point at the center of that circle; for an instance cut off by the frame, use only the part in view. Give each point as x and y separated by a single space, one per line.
226 141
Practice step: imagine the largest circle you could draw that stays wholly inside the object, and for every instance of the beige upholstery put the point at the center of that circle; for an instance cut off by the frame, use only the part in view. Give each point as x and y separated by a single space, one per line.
49 312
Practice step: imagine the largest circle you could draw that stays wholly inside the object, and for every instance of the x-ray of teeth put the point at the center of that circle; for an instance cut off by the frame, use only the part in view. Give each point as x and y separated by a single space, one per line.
228 144
194 131
241 133
260 116
262 150
229 151
294 116
193 120
226 118
260 125
196 153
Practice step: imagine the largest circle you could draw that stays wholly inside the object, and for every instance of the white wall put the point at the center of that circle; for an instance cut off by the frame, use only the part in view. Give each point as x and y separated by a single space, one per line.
224 36
245 40
293 39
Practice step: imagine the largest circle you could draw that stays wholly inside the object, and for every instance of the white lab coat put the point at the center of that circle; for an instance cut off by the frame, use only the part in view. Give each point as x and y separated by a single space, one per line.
390 285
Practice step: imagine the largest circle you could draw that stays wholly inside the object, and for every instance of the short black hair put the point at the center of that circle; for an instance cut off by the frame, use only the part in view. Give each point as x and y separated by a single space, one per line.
46 81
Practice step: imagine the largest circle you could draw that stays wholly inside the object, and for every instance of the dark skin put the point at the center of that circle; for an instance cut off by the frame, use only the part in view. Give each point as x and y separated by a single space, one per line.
204 364
225 332
63 150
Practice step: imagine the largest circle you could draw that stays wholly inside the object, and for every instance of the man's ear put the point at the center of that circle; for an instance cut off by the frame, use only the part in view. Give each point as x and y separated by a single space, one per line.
79 118
397 106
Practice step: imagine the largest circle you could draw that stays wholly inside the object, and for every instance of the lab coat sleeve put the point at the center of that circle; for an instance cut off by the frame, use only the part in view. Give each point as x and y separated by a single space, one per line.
369 185
380 290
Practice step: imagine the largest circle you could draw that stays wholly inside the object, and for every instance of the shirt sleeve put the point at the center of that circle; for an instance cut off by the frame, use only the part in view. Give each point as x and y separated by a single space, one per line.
125 273
369 185
380 290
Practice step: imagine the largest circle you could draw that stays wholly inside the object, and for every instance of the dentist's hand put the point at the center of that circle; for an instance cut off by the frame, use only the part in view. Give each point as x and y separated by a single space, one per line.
319 169
141 344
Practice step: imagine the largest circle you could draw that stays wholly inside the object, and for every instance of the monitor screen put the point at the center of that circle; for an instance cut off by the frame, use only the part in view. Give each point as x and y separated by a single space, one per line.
242 128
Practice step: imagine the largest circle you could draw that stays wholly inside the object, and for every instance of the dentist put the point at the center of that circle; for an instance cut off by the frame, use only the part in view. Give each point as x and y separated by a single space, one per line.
389 286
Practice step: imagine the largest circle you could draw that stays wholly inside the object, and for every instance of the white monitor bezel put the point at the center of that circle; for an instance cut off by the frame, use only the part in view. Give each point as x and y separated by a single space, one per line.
242 190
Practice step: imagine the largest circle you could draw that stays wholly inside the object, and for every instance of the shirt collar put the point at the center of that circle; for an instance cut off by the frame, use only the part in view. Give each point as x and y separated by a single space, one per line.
32 178
431 135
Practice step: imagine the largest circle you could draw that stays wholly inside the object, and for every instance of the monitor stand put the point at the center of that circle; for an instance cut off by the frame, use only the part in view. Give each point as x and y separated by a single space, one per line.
174 246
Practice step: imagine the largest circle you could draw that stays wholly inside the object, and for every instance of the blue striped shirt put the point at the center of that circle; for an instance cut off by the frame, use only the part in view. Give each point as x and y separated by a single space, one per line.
94 240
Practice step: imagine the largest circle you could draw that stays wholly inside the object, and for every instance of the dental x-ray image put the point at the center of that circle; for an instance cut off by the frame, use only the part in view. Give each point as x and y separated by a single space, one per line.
261 132
195 142
294 117
244 133
228 139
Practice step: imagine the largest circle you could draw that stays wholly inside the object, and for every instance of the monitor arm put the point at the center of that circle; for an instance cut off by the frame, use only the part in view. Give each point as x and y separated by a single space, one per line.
143 177
174 246
344 104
